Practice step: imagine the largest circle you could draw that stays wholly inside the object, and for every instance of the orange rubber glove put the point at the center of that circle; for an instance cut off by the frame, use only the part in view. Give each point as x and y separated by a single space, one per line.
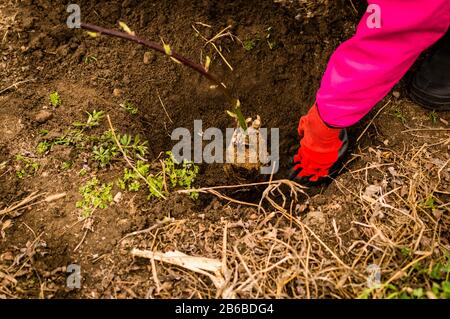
321 150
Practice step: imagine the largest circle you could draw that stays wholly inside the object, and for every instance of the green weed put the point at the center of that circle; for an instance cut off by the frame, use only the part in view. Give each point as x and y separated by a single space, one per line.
434 117
174 174
429 203
55 99
133 145
250 44
95 195
129 107
93 120
25 166
66 165
434 283
399 114
104 155
88 59
132 180
183 174
106 149
72 138
43 147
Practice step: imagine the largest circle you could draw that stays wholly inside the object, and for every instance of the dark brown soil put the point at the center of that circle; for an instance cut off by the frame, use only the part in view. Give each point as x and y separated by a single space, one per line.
276 83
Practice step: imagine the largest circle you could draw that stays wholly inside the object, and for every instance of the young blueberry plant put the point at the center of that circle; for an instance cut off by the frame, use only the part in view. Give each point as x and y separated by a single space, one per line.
241 142
129 35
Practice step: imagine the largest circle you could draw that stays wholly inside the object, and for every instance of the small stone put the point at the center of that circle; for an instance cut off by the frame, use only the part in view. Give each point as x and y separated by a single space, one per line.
117 92
253 217
396 94
43 116
149 57
118 197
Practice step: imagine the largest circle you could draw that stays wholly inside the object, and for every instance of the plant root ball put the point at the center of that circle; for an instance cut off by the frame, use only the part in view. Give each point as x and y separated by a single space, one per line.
246 153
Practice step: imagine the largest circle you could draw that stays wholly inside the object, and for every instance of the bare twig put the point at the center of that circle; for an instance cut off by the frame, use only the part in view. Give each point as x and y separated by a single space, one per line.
21 204
372 120
147 230
164 107
157 47
15 85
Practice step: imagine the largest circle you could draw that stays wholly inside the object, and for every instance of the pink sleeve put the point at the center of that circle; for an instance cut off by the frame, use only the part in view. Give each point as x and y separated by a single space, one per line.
363 70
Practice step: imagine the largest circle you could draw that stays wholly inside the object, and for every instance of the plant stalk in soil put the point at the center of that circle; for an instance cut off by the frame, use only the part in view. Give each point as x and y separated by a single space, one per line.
176 57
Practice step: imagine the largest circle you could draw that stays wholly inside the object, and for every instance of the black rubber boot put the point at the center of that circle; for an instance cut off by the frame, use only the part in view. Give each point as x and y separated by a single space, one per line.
430 86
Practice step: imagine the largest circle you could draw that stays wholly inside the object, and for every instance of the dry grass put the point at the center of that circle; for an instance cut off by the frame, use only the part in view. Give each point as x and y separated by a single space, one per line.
395 212
16 268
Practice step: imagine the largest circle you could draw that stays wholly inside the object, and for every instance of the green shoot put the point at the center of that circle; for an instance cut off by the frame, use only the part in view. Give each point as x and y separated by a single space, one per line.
429 203
43 147
399 114
66 165
129 107
93 120
433 117
82 172
269 37
237 114
89 59
55 99
250 44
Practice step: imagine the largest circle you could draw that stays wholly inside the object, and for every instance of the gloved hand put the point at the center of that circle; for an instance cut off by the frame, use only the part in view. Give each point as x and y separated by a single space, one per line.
321 150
